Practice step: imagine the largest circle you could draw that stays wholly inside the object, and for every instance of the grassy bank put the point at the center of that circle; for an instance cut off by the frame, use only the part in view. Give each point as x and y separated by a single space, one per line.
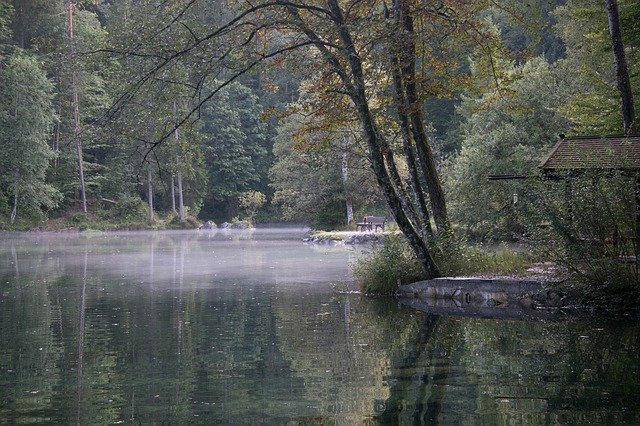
393 263
128 214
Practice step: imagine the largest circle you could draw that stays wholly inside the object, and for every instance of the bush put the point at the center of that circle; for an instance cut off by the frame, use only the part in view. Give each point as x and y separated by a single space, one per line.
394 262
131 208
590 231
458 258
79 219
250 202
390 263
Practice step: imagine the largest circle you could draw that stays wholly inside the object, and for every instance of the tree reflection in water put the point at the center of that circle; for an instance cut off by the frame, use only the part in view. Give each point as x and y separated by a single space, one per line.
219 328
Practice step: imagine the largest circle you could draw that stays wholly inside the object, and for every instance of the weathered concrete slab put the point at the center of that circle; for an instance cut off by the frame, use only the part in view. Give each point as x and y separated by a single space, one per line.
483 292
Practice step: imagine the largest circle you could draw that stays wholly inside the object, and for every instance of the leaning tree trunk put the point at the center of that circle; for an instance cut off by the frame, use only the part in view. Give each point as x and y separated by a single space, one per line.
74 102
414 175
375 141
425 154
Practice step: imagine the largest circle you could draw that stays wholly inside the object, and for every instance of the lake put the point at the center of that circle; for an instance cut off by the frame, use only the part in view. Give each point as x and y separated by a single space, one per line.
240 327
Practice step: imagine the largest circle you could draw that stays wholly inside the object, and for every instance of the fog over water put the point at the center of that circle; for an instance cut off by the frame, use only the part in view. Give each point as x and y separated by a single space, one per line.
194 259
257 327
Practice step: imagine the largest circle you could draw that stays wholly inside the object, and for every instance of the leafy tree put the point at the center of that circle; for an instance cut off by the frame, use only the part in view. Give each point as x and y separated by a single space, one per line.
307 175
6 12
505 133
26 117
236 141
250 202
594 105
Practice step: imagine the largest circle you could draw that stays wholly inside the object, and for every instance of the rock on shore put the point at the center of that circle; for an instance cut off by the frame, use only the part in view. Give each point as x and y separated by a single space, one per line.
348 238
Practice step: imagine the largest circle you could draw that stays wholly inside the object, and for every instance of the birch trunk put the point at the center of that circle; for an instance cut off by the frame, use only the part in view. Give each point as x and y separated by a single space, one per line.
148 145
75 103
173 195
14 210
345 177
150 192
180 199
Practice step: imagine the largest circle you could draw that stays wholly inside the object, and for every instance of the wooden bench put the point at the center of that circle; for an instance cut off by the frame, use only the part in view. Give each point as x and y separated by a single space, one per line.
371 223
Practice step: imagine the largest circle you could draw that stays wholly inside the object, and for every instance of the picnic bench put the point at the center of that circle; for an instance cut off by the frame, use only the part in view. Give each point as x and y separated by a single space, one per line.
371 223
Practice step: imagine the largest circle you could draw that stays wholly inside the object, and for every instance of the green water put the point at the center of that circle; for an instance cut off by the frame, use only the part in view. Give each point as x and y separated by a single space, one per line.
259 328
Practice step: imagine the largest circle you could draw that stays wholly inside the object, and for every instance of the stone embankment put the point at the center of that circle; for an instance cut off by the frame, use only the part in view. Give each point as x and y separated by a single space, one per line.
507 298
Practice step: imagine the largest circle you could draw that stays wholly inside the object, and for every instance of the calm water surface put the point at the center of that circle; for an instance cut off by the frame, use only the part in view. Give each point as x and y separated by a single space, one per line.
259 328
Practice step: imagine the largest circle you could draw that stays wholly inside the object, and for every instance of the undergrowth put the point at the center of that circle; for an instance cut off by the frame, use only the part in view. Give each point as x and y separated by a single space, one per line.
393 262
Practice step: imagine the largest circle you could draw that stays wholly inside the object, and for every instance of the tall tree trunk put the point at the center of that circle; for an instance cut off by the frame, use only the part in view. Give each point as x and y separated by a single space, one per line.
176 136
622 71
56 144
148 145
345 178
150 192
21 23
173 194
414 176
181 214
74 101
14 210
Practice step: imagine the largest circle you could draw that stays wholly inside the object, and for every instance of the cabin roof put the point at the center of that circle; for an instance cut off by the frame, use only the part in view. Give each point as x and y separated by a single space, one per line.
594 152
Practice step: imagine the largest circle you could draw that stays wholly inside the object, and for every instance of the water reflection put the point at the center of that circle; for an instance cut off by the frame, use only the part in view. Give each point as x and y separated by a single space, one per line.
178 328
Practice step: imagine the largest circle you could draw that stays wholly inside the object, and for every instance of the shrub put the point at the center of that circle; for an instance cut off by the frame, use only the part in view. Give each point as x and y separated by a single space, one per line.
394 262
458 258
250 202
79 219
131 208
590 231
390 263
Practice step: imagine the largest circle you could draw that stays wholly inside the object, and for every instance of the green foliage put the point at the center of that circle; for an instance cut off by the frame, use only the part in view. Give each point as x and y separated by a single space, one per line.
390 263
504 132
26 116
590 229
394 262
6 11
250 202
307 175
131 208
237 145
459 258
594 104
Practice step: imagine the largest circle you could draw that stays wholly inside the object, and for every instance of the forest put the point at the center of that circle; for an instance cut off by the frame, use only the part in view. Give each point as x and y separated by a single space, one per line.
147 114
